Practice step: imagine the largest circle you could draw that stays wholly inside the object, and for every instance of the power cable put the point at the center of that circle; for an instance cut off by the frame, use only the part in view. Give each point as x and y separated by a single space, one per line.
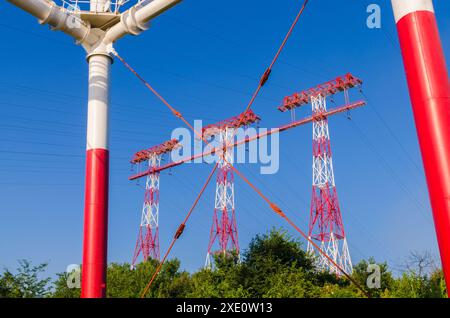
275 208
180 230
390 170
392 133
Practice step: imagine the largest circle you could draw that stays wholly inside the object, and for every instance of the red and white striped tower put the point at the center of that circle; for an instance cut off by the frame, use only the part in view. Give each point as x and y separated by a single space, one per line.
224 227
148 237
93 283
147 243
429 88
96 25
325 224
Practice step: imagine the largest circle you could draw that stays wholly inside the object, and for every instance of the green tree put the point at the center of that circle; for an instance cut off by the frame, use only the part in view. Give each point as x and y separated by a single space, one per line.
437 284
62 290
291 282
362 272
8 286
270 255
26 283
222 281
330 290
274 265
124 282
421 279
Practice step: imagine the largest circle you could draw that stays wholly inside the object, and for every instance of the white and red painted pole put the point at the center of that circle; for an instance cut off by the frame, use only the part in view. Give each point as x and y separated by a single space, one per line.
93 279
97 42
95 234
429 88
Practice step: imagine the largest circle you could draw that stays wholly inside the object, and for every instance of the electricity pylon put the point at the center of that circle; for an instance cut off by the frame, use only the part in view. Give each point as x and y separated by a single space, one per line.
147 243
325 222
224 226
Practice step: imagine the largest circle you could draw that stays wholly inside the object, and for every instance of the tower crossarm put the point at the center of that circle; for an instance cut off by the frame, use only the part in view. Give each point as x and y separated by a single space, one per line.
245 119
286 127
335 86
158 150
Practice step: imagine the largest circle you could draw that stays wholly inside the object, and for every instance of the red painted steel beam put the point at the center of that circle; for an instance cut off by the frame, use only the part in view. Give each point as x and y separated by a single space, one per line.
252 138
332 87
244 119
429 88
161 149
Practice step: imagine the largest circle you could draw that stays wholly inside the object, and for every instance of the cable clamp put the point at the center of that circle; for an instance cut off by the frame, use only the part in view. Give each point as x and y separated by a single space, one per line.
179 231
276 209
177 114
265 77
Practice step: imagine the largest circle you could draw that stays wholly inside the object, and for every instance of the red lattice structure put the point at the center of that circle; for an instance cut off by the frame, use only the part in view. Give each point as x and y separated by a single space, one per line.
325 223
145 155
147 242
340 84
224 227
245 119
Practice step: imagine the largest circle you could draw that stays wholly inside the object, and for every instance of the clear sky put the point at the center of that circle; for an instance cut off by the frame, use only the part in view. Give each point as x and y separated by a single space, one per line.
206 57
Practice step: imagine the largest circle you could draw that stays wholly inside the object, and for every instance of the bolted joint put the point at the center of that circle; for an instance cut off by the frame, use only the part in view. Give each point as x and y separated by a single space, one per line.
99 48
131 24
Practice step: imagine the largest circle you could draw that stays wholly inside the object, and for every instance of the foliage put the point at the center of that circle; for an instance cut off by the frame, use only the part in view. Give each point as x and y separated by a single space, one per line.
124 282
25 283
422 279
274 266
61 290
268 259
361 275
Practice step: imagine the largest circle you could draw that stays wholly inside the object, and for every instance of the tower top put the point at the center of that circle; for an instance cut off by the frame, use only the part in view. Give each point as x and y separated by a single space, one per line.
161 149
99 6
332 87
244 119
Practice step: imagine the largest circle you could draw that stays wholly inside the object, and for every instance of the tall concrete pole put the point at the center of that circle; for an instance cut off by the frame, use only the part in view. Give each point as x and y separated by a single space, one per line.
429 88
98 43
95 234
93 283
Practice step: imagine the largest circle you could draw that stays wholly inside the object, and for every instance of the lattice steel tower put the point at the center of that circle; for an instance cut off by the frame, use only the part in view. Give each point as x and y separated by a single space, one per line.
224 226
325 223
147 242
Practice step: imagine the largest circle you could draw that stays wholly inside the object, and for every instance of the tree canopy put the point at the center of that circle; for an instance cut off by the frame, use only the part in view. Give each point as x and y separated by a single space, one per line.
274 265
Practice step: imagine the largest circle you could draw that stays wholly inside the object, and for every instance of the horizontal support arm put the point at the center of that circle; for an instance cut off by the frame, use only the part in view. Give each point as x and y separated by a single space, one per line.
47 12
135 20
252 138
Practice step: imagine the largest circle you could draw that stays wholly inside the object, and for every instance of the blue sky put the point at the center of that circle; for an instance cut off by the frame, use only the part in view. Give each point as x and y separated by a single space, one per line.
206 57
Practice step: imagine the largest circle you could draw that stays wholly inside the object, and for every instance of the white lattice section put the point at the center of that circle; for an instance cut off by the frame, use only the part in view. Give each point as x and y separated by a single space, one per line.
226 137
224 197
337 250
322 163
323 177
208 261
225 191
150 210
